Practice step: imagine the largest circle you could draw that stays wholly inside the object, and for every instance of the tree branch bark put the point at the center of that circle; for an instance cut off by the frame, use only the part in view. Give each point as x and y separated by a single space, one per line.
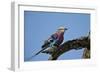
83 42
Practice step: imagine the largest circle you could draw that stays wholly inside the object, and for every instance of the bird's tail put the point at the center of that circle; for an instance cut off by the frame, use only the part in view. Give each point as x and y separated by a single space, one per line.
35 54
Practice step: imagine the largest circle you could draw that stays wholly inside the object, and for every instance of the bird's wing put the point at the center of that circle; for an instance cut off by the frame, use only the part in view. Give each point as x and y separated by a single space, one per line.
45 45
52 38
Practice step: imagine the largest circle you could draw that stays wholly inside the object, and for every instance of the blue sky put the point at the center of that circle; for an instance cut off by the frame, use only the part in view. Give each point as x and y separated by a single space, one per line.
38 26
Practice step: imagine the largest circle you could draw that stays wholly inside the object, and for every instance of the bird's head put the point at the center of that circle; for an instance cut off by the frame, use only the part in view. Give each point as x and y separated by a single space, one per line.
62 29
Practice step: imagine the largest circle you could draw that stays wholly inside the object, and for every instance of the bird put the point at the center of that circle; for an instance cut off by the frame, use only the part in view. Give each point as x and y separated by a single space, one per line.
53 42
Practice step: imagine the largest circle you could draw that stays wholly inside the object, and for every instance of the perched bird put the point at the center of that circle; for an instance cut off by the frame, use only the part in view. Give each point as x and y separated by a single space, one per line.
53 42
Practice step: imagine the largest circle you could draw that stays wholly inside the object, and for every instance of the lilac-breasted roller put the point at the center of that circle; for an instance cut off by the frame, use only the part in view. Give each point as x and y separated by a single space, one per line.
53 42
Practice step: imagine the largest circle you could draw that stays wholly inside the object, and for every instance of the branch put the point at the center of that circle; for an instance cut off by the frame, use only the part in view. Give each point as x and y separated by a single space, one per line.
83 42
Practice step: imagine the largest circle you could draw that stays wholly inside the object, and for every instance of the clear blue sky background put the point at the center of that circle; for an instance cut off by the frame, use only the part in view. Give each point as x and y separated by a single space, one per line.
38 26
